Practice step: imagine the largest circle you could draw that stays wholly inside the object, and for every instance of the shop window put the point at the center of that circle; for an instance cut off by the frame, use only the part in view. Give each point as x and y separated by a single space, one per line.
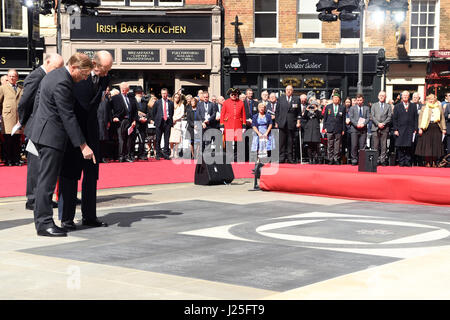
309 26
423 25
266 19
11 16
350 29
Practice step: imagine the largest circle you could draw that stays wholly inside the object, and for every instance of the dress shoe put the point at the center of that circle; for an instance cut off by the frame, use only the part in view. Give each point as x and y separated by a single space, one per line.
143 158
52 232
94 223
354 163
167 157
129 160
157 158
104 160
68 225
29 205
121 159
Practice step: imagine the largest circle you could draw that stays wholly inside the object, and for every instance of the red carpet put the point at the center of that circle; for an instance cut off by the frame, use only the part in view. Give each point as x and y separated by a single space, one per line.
115 175
412 185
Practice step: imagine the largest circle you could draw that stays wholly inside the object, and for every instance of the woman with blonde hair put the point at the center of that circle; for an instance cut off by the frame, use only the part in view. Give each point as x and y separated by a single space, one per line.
431 129
175 131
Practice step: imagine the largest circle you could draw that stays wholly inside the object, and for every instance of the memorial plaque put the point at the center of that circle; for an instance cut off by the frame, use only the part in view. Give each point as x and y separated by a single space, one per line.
186 55
141 56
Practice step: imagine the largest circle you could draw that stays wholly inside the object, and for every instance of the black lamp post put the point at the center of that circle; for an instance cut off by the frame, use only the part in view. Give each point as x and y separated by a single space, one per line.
398 9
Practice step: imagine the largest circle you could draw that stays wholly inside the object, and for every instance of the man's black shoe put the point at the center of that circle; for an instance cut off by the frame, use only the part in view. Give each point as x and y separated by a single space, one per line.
129 160
94 223
354 163
143 158
52 232
69 225
104 160
157 158
121 159
29 206
167 157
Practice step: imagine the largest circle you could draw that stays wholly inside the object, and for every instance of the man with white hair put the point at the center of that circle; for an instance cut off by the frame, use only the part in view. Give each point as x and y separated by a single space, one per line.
3 80
26 110
264 97
88 94
404 124
125 116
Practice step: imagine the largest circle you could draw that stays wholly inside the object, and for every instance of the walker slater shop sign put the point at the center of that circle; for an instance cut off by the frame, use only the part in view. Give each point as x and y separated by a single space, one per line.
193 28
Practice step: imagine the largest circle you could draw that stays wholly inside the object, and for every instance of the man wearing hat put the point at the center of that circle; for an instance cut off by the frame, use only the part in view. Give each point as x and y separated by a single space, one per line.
143 121
334 125
232 118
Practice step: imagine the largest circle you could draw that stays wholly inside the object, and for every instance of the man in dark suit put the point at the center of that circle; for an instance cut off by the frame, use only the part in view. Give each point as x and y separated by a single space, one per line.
404 124
334 126
88 94
381 116
163 117
54 125
125 117
446 107
209 110
142 124
52 61
287 120
359 116
251 108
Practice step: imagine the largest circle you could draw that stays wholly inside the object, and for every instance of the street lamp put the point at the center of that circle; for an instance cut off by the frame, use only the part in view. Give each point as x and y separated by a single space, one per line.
398 10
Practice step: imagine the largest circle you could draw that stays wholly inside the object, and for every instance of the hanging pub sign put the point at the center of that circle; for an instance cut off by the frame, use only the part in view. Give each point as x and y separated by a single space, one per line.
145 28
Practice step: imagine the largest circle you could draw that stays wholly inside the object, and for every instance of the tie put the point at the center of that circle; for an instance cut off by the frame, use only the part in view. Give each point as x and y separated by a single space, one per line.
335 110
360 112
165 110
406 107
15 88
382 107
127 102
95 81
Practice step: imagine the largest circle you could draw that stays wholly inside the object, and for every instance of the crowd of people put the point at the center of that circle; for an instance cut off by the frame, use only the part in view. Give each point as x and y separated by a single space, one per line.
71 120
134 126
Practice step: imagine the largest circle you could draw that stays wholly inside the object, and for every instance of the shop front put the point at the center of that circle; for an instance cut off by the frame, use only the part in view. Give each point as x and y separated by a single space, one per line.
438 73
174 49
315 70
13 55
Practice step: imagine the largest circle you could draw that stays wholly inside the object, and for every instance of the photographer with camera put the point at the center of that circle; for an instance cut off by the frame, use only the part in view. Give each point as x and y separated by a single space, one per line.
311 128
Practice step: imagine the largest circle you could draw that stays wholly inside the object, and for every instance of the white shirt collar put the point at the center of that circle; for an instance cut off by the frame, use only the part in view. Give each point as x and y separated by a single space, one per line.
44 69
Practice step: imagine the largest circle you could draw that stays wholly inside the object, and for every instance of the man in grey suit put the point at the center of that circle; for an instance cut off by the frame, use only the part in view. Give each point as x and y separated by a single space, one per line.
26 109
53 125
359 116
381 116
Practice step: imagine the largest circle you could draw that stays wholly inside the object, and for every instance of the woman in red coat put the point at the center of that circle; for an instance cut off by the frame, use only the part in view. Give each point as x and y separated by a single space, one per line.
232 116
232 119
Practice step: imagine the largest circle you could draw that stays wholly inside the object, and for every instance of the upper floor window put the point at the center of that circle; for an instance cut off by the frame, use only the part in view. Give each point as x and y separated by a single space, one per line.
143 2
11 16
309 26
423 25
265 18
350 29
